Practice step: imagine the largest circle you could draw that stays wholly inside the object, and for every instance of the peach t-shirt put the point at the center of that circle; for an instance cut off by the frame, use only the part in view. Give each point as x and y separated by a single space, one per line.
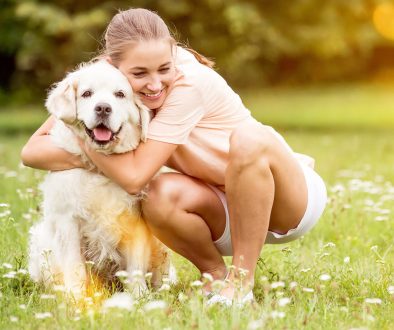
198 115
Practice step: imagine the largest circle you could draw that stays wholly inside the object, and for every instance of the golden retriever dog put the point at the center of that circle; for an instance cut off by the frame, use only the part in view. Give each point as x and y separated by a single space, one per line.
87 217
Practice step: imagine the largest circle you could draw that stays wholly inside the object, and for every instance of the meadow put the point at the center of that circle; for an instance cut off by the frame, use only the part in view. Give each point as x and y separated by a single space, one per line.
339 276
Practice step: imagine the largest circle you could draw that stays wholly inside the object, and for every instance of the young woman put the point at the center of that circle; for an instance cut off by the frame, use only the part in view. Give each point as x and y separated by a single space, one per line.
238 186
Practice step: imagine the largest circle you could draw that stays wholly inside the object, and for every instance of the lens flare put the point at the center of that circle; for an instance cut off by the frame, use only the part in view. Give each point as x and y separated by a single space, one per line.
383 19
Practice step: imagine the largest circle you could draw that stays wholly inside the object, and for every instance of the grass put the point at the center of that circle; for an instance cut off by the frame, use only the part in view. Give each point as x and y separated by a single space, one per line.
15 121
352 243
348 107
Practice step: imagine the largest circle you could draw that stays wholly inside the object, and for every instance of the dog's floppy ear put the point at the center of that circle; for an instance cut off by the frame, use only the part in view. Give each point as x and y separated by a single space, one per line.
145 117
61 101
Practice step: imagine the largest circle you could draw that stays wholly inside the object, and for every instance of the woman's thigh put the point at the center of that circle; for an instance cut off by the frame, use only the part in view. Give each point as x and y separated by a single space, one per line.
291 192
255 143
291 195
176 191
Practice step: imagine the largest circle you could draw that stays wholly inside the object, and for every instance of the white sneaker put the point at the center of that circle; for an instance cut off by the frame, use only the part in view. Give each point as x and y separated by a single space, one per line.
217 298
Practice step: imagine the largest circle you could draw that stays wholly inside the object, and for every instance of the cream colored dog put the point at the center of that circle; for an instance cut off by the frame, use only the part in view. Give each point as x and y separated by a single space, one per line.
86 217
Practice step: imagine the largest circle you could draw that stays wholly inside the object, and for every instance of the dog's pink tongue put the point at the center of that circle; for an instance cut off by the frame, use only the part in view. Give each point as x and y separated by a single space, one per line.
102 134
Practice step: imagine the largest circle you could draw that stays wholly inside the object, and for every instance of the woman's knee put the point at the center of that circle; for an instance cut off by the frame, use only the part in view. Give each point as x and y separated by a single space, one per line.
252 144
161 201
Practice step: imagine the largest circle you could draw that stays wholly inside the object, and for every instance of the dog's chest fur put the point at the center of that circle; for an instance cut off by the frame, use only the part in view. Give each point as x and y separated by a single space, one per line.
106 214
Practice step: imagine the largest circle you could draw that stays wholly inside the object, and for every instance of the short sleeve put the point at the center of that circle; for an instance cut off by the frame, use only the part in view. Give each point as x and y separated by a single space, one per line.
180 113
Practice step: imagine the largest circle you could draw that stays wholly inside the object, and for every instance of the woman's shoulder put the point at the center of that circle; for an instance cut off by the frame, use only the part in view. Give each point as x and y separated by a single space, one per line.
194 74
187 63
183 57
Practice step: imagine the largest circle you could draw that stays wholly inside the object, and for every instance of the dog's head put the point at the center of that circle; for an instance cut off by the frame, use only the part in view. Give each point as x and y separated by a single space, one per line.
98 104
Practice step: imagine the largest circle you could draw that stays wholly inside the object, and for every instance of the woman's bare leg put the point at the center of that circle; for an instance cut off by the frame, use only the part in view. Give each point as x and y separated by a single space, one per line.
265 188
187 216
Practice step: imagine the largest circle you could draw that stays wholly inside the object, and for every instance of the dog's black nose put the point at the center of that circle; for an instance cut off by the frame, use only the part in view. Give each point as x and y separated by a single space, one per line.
103 109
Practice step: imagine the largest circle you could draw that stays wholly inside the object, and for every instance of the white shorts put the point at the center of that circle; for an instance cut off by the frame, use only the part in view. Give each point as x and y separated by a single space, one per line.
317 199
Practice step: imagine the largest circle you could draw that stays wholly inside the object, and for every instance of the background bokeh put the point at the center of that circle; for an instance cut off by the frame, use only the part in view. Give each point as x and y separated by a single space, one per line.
255 43
321 72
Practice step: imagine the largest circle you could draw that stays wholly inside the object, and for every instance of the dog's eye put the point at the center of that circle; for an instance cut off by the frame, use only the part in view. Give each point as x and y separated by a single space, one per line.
87 94
120 94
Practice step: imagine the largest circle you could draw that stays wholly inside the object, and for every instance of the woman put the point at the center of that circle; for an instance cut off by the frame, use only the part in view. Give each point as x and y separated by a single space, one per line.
239 184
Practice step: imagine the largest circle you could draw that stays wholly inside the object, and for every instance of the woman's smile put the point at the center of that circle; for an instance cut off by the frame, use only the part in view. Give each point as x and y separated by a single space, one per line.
152 95
149 67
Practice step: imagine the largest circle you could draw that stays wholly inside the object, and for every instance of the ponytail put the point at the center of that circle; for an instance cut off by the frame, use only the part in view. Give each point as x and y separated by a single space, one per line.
200 58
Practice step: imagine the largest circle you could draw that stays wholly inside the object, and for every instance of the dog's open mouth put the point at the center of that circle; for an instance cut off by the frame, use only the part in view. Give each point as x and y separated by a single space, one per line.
101 134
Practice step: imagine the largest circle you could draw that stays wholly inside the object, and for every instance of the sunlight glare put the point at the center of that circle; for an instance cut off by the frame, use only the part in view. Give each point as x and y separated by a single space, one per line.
383 19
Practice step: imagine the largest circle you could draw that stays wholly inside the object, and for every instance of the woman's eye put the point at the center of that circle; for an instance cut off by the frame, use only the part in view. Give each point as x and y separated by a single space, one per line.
87 94
138 74
120 94
164 70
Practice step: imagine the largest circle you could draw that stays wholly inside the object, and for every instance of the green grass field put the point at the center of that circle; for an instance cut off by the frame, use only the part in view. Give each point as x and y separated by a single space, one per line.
339 276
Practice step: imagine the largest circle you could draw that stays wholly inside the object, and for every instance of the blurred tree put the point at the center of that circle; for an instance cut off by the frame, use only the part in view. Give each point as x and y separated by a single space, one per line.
11 32
254 42
56 38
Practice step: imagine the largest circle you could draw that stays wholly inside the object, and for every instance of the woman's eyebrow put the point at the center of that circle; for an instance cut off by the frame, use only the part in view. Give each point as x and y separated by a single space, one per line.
137 68
143 68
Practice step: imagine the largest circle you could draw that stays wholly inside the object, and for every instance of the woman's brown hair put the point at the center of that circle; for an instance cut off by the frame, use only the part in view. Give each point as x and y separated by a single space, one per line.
138 24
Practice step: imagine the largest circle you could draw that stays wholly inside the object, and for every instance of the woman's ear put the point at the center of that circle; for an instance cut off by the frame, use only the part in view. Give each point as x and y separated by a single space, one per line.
61 101
145 117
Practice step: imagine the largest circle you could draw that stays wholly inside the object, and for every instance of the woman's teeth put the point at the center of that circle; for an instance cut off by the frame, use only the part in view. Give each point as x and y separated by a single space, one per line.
151 94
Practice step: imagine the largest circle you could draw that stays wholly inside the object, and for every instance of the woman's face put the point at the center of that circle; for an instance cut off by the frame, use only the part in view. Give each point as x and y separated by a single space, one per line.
149 67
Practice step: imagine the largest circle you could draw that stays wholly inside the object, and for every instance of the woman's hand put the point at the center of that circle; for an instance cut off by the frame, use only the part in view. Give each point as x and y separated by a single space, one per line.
39 151
134 169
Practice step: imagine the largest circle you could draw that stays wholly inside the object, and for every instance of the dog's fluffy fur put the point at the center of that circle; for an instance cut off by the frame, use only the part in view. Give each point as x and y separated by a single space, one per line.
86 217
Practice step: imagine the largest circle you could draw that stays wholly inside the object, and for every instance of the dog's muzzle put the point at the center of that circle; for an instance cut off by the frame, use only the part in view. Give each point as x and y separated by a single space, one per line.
102 133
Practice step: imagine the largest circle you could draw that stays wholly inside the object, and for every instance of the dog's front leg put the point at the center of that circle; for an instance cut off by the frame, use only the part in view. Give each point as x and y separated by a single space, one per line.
137 255
67 249
42 267
161 267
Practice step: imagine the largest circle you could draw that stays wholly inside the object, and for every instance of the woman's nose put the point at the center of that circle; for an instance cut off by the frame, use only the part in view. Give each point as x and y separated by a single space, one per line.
154 84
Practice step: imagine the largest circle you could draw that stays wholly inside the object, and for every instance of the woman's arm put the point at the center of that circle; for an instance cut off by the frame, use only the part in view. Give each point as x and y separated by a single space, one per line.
39 152
134 169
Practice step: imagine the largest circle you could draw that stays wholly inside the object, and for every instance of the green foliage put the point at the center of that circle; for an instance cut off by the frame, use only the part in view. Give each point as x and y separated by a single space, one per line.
53 41
253 42
10 28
